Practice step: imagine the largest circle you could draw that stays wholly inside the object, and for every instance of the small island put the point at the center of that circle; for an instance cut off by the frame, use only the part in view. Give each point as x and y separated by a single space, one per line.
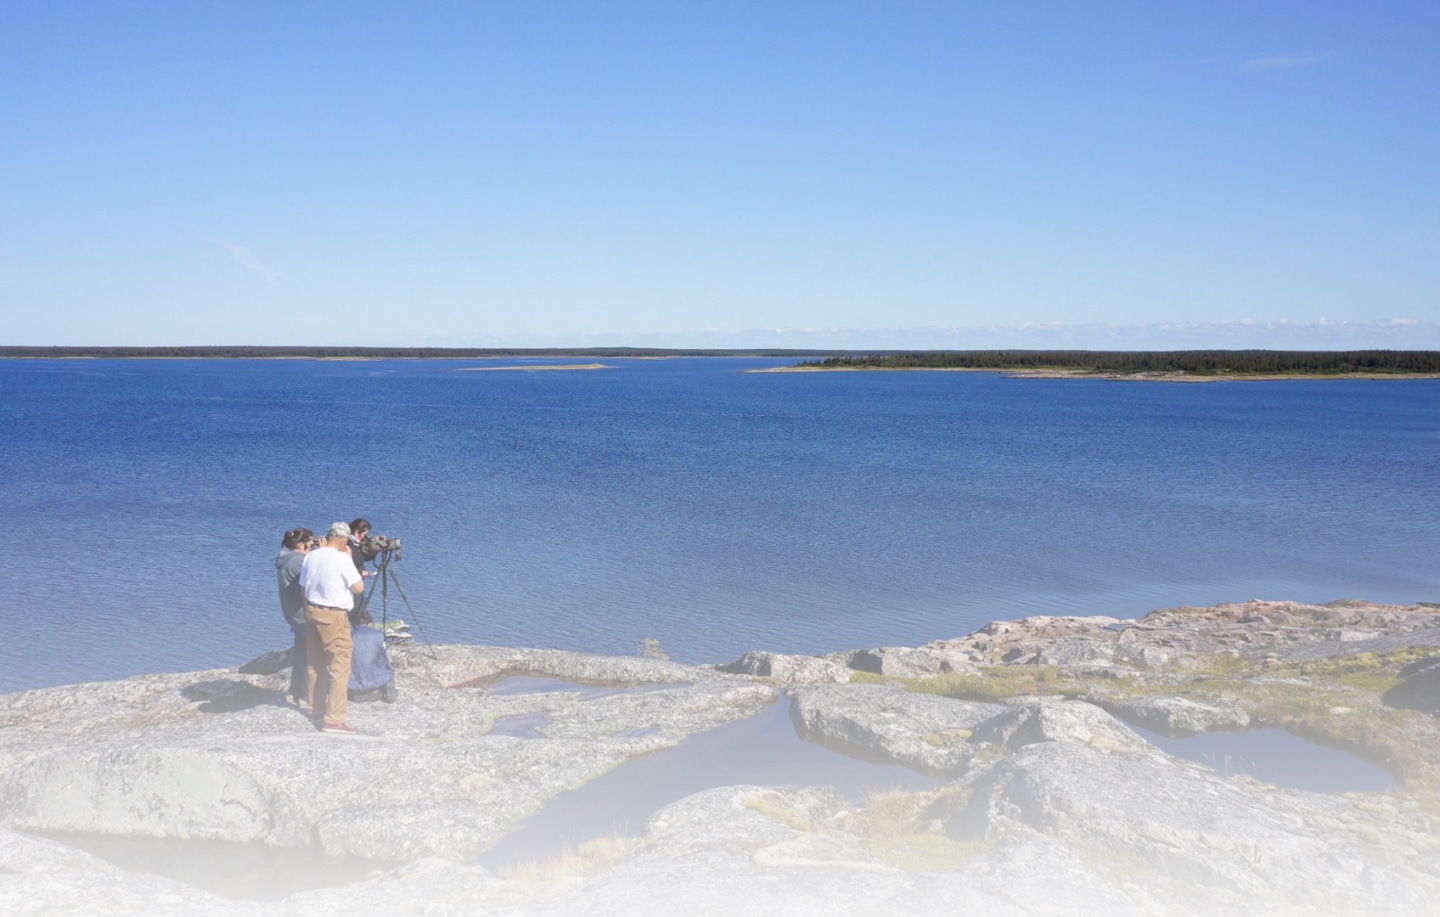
1162 366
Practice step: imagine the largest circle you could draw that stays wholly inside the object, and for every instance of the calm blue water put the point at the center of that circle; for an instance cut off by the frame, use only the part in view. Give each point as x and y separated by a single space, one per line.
1275 756
685 501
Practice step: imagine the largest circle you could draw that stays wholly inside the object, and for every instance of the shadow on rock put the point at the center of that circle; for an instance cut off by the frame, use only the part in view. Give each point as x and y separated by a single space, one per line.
1420 690
268 664
227 695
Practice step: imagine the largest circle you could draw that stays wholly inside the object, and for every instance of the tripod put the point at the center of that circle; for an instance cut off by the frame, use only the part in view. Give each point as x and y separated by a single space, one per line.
386 577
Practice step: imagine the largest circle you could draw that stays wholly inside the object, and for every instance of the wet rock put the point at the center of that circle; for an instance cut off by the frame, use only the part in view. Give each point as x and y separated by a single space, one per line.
787 669
1178 717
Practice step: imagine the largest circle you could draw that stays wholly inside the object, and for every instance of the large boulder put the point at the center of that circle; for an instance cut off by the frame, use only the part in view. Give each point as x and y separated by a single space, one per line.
1178 717
791 670
890 725
903 662
1075 722
1186 832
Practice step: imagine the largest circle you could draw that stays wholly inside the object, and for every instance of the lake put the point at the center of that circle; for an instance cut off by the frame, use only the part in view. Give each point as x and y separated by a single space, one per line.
685 501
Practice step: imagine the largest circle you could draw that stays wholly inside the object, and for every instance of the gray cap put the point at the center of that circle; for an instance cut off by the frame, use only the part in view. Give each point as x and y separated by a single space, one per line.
339 530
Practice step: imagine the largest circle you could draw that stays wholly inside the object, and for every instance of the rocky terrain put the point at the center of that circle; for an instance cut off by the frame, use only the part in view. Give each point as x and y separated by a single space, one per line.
1032 790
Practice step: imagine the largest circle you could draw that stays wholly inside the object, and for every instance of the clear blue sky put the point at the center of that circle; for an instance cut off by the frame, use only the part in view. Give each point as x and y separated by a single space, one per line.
873 174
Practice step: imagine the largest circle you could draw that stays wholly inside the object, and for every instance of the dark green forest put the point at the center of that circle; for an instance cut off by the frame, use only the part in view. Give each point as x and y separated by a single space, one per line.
1196 362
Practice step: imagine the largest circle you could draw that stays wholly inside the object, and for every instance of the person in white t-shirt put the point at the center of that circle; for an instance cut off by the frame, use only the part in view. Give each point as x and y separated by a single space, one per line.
331 583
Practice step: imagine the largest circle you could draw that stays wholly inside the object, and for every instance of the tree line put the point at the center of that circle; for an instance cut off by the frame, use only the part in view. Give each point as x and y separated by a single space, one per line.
1196 362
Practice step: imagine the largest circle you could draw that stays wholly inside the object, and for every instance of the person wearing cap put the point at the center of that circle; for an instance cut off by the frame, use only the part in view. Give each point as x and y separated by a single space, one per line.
331 582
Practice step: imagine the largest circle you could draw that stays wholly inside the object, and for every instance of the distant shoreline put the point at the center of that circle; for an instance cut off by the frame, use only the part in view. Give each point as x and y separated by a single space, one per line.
1152 365
1179 377
1129 366
247 352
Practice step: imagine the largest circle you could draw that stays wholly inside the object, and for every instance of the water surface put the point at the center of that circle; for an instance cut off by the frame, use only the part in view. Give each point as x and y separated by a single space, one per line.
1275 756
684 501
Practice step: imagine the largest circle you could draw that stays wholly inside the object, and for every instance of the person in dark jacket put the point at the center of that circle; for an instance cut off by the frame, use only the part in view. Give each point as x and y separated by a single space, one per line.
370 672
359 531
294 545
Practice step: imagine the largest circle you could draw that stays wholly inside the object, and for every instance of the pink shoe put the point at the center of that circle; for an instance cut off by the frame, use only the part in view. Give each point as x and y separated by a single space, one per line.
343 729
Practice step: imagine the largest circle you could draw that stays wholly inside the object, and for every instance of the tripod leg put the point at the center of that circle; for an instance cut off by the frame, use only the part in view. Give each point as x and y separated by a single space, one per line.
384 600
411 609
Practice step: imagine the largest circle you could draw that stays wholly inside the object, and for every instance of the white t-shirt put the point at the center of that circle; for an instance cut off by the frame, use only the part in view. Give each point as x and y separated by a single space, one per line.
326 576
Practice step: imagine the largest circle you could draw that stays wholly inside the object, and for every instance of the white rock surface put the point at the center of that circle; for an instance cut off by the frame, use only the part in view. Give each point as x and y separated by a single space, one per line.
1051 806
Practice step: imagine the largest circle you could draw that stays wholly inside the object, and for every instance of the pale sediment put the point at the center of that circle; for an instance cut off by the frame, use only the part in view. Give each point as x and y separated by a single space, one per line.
1047 802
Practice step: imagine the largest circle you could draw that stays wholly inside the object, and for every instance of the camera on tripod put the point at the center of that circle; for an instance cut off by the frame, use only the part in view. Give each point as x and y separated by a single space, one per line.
378 546
382 551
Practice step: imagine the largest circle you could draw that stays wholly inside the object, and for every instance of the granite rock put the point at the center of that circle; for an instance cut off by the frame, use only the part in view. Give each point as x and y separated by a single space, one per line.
1050 806
790 670
890 725
218 755
902 662
1178 717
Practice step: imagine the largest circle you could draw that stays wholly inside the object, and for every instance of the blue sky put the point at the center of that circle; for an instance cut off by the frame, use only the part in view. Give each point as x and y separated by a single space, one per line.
904 174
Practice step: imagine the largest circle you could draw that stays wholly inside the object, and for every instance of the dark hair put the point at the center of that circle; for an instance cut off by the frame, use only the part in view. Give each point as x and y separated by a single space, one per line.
359 616
295 538
359 526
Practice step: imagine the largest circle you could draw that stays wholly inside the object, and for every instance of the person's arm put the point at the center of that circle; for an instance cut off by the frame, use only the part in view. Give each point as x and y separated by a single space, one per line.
358 585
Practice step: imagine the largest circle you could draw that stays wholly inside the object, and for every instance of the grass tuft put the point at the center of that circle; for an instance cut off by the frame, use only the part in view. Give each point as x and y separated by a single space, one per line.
773 805
894 828
592 857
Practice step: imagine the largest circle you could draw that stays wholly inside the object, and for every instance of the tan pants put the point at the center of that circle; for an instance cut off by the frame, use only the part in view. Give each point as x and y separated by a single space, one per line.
327 655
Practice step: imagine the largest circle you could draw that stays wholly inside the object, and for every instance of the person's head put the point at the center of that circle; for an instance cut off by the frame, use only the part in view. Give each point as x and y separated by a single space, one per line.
298 539
338 535
359 528
359 616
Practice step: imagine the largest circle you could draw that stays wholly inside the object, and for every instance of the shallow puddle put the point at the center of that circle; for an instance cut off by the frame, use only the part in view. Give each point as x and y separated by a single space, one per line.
240 872
1277 757
520 725
763 750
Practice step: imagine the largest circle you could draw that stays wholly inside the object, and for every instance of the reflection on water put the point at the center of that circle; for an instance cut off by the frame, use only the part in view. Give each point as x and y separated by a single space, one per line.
242 872
763 750
1275 756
